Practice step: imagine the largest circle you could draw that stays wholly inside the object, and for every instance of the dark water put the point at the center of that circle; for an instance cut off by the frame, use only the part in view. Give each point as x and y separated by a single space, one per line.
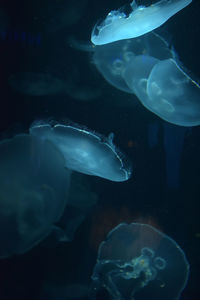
34 38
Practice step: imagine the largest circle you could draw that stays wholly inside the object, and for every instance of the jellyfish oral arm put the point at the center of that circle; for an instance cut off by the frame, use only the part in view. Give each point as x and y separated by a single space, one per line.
117 26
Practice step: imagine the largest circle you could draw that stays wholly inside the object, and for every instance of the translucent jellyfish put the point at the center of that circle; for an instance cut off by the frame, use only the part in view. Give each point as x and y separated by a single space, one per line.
137 73
36 84
172 94
113 59
138 262
119 26
33 192
85 151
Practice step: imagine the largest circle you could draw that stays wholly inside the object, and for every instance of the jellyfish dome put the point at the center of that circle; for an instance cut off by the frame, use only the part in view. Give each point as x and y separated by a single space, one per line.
85 151
119 26
112 60
138 262
33 192
165 89
173 95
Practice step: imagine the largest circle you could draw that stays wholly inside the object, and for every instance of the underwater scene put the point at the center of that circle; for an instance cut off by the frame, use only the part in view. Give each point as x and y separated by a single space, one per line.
100 150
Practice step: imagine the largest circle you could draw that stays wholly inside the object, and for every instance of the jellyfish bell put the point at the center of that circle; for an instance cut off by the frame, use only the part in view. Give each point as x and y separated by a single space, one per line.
172 94
112 60
119 26
85 151
137 261
137 73
33 193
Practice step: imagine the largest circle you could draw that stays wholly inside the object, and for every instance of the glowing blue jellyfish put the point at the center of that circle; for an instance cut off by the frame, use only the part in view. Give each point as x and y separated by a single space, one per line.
119 26
138 262
32 192
112 60
172 94
165 89
85 151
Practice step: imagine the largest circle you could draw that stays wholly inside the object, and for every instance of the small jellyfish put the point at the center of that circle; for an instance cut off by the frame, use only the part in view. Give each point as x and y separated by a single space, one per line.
119 26
36 84
33 192
85 151
137 261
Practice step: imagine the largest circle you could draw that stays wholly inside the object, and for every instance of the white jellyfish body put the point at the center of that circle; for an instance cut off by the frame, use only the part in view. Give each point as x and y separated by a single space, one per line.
135 261
85 151
118 26
112 60
172 94
33 193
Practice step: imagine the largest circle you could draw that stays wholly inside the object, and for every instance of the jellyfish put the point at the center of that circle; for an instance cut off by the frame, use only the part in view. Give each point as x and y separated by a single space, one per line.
33 192
36 84
43 84
172 94
85 151
119 26
137 261
112 60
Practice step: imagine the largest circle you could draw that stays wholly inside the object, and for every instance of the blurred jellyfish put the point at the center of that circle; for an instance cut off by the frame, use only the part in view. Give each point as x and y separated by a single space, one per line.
137 260
85 151
33 192
36 84
119 26
43 84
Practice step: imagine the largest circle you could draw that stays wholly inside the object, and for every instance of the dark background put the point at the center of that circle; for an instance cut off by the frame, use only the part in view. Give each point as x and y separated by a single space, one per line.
145 197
